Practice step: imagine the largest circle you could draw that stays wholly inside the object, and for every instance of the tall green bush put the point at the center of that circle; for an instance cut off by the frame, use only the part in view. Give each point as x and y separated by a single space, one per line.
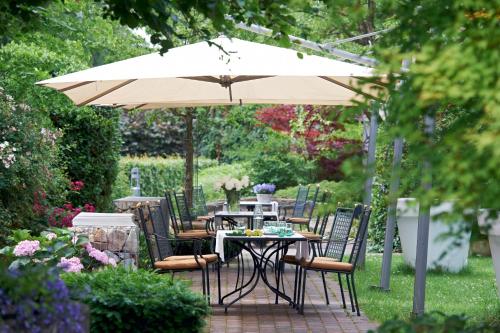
30 178
138 301
91 145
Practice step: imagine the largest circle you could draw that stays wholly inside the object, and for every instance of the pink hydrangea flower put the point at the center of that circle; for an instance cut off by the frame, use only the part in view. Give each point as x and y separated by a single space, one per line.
71 265
96 254
50 236
26 248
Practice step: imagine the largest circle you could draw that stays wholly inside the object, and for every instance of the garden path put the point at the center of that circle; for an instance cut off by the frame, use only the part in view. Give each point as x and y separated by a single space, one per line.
257 312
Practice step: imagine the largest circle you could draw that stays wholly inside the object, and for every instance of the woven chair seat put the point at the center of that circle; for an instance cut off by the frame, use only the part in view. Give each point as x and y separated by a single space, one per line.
180 264
207 257
326 263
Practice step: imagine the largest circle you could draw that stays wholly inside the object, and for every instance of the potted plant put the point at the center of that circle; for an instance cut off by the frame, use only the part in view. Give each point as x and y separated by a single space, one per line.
232 188
489 221
264 192
448 246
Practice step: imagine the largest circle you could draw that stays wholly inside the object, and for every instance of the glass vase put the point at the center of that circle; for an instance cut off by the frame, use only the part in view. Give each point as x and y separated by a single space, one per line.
233 201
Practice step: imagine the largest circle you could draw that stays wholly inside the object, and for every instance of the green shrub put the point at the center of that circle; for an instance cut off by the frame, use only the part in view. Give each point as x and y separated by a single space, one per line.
378 220
91 144
343 193
282 170
436 322
138 301
158 174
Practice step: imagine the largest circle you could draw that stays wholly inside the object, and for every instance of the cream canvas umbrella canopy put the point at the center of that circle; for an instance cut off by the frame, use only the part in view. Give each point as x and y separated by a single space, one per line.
233 71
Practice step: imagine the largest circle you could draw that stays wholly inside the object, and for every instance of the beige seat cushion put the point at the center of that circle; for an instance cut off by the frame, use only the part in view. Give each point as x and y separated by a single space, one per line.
195 234
199 225
207 257
204 217
309 235
180 264
327 264
298 220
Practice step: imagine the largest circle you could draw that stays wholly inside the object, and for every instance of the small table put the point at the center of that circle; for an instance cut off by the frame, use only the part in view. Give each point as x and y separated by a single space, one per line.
219 216
130 202
272 245
250 205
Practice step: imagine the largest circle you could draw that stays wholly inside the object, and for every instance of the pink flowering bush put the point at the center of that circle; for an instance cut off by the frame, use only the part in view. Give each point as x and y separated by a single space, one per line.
26 248
62 248
71 265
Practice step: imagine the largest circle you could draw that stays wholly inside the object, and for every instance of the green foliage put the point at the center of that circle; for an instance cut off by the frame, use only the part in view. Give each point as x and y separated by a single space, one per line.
343 194
130 301
152 132
435 322
91 158
378 220
209 176
471 292
29 167
282 170
53 245
157 174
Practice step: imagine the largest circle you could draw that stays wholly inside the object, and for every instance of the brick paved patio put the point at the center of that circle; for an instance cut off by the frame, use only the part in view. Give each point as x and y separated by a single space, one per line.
258 313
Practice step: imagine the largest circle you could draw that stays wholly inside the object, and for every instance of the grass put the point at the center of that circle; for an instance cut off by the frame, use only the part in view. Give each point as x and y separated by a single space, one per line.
471 292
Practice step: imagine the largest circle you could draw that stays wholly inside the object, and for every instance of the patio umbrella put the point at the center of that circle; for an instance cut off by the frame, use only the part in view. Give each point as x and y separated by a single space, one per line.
223 71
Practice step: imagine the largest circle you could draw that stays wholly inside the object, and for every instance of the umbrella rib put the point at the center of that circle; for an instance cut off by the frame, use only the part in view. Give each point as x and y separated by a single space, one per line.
206 78
242 78
75 86
343 85
106 92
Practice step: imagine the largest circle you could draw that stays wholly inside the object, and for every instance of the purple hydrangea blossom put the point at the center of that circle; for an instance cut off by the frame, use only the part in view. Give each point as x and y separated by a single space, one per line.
26 248
264 188
71 265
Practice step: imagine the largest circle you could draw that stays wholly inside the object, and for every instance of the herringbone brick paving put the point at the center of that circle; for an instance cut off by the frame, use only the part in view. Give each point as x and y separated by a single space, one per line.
257 313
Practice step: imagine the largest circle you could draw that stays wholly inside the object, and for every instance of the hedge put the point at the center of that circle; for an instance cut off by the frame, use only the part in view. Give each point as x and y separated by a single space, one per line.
157 174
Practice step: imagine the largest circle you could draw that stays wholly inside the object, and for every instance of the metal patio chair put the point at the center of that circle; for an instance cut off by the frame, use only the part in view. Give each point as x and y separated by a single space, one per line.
303 210
330 263
162 253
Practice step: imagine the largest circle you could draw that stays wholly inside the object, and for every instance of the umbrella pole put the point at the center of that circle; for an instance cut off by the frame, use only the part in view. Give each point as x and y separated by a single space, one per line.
385 277
423 230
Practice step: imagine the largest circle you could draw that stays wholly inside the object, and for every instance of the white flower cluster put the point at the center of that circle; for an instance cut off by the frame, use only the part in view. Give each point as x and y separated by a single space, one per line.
50 136
228 183
7 154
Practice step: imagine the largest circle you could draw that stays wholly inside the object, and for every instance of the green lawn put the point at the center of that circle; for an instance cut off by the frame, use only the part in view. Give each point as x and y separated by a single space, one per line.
471 292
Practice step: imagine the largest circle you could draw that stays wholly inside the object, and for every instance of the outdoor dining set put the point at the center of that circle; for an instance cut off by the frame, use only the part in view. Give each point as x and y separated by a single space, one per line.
183 236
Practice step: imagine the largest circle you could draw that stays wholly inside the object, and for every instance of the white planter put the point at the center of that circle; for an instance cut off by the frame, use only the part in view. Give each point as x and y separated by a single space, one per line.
494 240
455 249
264 198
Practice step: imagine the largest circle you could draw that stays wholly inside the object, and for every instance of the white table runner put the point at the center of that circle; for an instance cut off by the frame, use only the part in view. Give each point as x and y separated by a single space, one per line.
302 246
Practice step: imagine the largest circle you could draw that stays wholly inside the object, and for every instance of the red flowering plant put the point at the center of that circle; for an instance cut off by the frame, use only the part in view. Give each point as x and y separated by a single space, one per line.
317 133
63 216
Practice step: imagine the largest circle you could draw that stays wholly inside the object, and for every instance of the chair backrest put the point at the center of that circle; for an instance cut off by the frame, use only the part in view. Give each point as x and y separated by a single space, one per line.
360 235
339 233
312 203
148 235
322 218
160 228
185 216
300 201
171 213
199 203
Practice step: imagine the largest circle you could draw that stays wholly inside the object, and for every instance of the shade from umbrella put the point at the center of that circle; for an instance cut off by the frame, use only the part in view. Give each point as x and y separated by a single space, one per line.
223 72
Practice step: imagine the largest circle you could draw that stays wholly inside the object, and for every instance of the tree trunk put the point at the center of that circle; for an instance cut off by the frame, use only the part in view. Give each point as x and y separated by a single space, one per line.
189 151
368 24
